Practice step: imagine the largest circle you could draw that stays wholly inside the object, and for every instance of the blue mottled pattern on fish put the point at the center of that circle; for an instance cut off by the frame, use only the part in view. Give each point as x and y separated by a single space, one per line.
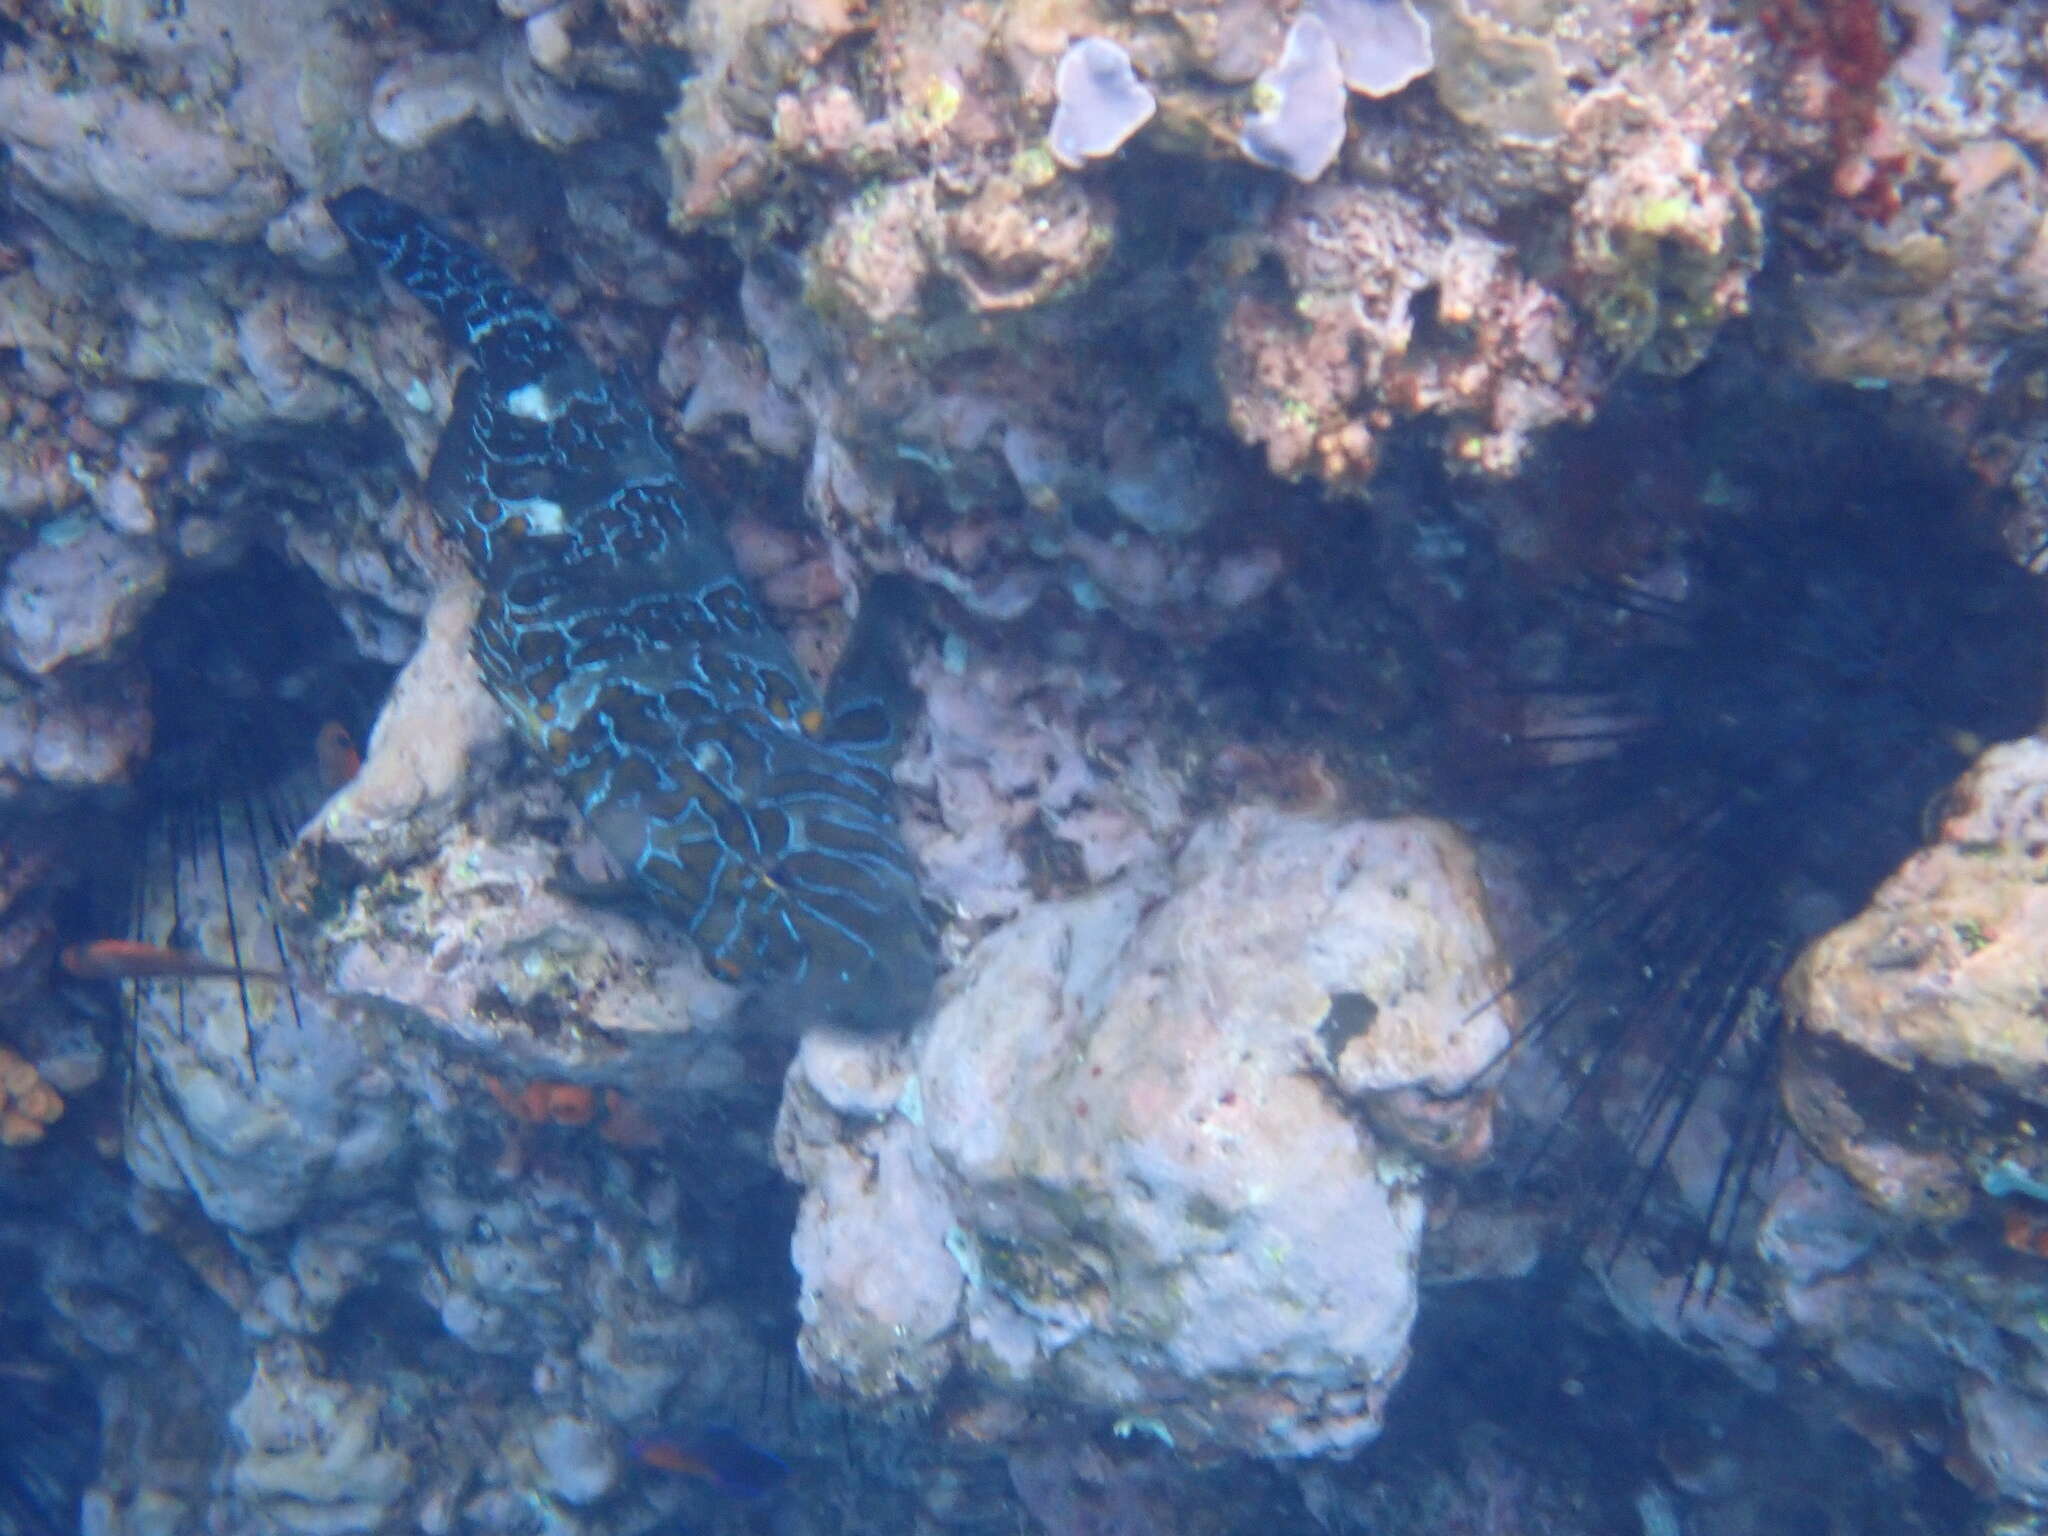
620 637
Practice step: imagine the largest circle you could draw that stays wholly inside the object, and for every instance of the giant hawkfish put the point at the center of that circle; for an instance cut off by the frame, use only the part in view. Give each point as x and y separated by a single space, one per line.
619 636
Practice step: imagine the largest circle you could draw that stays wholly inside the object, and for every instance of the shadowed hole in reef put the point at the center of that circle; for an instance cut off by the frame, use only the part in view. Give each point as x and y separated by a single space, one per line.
245 665
248 665
103 1323
1699 673
49 1420
386 1332
1742 706
1575 1426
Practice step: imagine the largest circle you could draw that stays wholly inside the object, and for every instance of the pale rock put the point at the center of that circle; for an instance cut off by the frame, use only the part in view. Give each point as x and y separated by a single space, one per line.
577 1458
1126 1177
311 1456
74 594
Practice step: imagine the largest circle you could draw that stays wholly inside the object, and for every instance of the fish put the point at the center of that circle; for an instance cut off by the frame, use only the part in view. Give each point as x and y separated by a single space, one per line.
133 960
733 1466
542 1103
625 647
2026 1230
337 755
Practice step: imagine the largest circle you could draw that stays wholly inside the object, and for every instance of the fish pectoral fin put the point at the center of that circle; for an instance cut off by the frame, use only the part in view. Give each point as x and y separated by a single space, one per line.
620 892
453 473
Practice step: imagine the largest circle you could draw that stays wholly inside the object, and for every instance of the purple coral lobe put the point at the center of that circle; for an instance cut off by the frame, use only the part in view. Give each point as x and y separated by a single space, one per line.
1101 103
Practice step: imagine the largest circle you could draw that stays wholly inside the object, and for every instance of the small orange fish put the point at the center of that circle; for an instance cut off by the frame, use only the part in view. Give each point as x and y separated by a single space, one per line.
339 758
669 1456
626 1124
715 1456
2026 1231
133 960
568 1104
542 1103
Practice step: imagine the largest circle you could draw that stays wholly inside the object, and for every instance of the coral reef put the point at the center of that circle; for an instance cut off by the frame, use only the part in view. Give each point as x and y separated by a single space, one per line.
1650 172
1215 372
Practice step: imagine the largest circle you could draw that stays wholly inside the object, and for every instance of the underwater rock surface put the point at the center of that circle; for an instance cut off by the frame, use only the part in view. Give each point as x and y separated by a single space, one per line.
1233 406
1125 1167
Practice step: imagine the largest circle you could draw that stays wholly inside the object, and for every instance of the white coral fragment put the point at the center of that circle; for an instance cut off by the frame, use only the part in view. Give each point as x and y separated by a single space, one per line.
1384 45
1102 102
1300 125
427 95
